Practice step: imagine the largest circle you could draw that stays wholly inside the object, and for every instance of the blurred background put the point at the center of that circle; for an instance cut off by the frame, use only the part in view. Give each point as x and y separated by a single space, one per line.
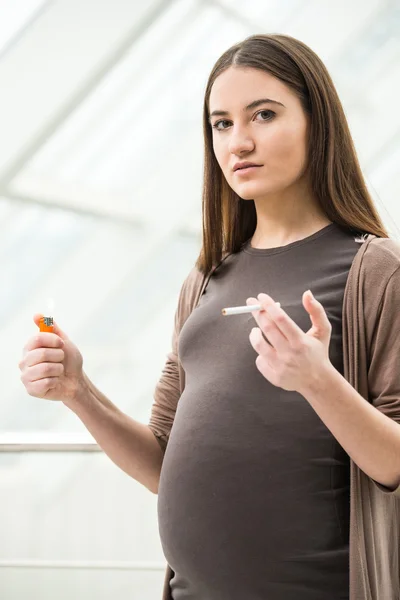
100 209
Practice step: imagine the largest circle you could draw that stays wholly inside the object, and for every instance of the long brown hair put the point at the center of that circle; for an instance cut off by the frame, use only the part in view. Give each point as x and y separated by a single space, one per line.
335 173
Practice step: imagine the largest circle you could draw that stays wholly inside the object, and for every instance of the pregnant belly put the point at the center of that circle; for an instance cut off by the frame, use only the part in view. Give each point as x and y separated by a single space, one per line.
218 504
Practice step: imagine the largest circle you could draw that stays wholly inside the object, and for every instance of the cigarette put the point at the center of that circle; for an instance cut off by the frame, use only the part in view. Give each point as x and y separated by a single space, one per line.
46 323
239 310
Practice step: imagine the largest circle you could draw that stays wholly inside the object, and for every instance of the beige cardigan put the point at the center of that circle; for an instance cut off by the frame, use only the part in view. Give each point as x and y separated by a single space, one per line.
371 351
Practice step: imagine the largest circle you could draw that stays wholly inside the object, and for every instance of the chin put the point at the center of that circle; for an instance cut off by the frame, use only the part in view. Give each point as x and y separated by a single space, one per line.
252 192
248 197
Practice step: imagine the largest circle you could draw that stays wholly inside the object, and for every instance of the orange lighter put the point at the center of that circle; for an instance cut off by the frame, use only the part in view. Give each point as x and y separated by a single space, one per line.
46 324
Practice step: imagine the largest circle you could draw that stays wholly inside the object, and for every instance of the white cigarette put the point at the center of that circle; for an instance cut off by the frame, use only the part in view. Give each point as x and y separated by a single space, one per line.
239 310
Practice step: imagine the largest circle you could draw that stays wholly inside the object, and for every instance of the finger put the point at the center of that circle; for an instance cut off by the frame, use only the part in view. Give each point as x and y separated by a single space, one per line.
273 334
42 355
43 371
267 300
36 318
285 324
56 328
269 328
260 345
261 315
266 369
41 387
318 316
44 340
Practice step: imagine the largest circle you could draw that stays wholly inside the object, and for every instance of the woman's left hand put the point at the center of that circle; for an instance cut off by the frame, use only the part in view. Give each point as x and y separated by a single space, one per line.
292 359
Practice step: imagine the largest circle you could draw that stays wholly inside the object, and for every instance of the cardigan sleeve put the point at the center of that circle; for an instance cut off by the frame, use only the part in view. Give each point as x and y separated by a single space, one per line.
384 359
167 391
172 381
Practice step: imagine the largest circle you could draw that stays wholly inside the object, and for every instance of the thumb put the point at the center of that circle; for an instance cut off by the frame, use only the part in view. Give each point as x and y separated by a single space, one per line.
318 316
56 328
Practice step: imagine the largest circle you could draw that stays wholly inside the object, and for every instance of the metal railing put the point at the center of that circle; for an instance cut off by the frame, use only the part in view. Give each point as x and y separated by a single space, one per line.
47 442
63 442
83 565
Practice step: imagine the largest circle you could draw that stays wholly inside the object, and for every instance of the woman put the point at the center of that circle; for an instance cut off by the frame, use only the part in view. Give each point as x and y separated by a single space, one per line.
254 427
254 489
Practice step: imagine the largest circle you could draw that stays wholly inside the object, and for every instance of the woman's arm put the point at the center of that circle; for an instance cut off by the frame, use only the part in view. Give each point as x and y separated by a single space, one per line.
369 437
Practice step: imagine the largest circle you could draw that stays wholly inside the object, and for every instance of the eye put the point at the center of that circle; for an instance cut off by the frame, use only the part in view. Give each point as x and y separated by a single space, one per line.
270 114
267 115
217 123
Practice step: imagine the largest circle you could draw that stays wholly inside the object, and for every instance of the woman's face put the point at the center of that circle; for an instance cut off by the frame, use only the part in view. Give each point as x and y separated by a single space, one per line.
262 122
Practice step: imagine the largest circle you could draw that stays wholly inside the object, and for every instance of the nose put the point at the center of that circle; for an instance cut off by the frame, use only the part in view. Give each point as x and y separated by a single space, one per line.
240 142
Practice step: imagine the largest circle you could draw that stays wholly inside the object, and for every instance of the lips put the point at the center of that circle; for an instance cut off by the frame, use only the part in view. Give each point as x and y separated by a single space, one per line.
240 166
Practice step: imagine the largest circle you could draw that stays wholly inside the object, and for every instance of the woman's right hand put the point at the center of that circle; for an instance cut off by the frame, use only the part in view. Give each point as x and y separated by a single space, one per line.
51 365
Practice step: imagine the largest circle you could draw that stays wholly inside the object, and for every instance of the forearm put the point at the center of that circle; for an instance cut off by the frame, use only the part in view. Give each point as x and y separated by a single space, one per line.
129 444
369 437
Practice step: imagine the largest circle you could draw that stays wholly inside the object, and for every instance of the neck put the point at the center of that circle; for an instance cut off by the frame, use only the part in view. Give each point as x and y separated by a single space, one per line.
286 218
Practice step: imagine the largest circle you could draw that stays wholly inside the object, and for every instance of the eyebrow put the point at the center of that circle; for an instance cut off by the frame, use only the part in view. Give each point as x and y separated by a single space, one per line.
255 104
